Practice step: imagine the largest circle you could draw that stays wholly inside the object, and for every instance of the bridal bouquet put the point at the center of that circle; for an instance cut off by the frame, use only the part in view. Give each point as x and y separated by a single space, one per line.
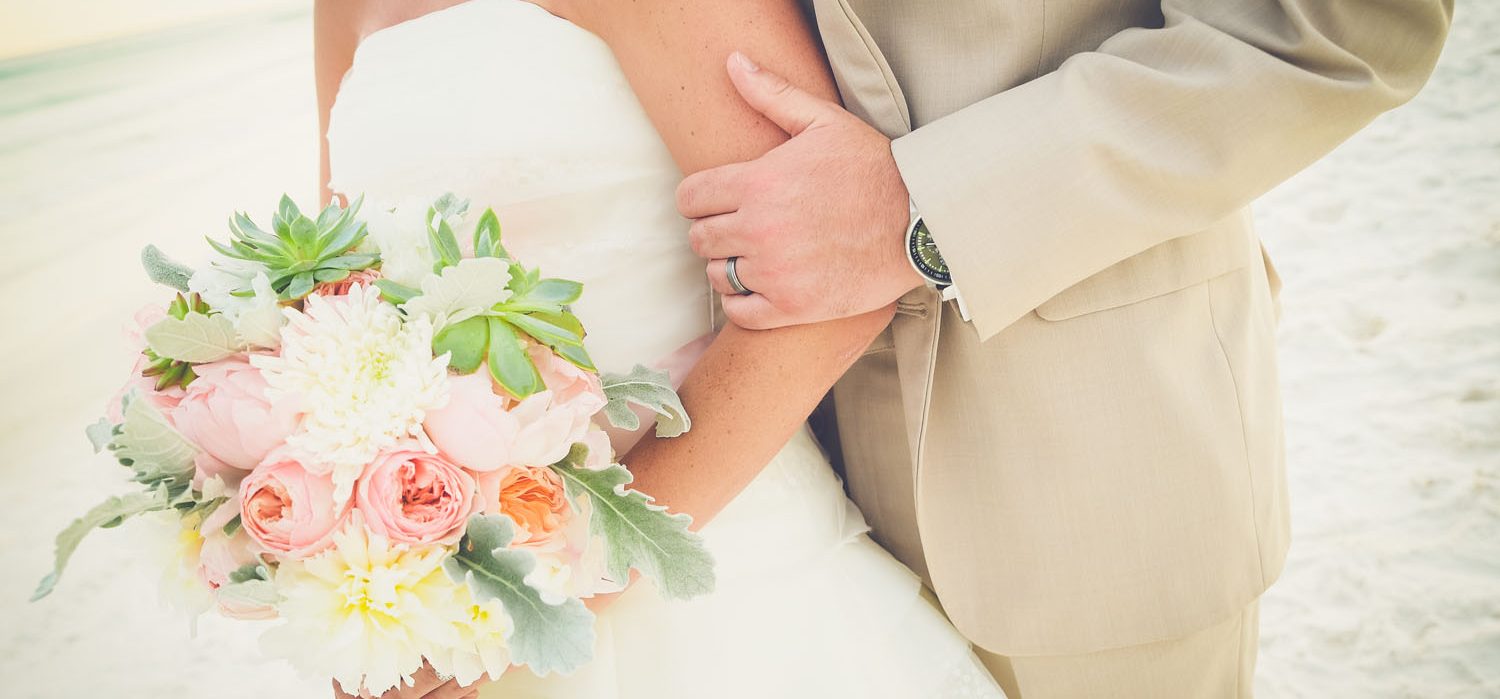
392 451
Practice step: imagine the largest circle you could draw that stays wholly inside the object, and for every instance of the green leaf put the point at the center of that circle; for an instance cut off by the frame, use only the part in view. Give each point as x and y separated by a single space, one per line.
394 292
304 233
162 270
151 447
232 527
651 390
578 356
100 434
444 244
466 342
460 292
560 292
109 513
544 332
195 338
301 285
287 211
547 638
329 274
509 364
487 236
639 534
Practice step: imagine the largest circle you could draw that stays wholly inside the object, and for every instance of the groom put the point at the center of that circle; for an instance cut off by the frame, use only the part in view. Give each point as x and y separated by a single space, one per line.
1072 429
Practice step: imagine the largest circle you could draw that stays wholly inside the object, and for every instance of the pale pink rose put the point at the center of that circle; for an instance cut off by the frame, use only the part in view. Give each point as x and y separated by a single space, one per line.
483 429
288 510
341 287
226 414
222 554
412 497
533 497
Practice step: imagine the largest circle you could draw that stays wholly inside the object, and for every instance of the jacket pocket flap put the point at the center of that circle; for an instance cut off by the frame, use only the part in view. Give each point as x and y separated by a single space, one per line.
1176 264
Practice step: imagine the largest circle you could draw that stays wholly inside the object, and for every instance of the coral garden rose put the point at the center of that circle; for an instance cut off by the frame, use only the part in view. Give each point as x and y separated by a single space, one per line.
534 499
412 497
484 429
288 510
342 286
226 413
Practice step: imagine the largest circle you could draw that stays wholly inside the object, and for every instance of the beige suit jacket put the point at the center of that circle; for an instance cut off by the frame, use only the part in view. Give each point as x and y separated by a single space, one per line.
1096 460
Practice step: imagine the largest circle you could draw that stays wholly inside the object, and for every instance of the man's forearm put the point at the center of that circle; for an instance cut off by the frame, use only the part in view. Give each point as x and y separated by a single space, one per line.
1157 134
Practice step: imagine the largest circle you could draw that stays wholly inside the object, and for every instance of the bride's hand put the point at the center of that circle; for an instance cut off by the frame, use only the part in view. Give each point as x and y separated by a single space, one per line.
426 684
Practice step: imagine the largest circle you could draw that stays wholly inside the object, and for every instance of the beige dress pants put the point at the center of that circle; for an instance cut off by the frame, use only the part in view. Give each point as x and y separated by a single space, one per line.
1218 661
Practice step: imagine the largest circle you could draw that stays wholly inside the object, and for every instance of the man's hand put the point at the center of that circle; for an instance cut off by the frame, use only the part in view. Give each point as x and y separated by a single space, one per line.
818 223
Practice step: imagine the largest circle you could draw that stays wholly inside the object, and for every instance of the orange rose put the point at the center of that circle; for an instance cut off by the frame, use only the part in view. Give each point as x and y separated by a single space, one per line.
534 499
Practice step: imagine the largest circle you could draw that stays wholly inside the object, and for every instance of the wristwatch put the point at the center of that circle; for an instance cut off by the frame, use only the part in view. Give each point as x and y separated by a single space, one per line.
922 252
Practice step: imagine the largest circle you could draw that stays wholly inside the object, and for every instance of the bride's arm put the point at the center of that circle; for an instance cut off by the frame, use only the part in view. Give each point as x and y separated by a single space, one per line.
335 34
751 390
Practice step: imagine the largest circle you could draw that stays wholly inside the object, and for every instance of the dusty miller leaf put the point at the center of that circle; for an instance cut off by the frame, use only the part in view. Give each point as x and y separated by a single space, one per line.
151 447
250 585
106 514
639 534
100 434
651 390
195 338
163 270
462 291
547 638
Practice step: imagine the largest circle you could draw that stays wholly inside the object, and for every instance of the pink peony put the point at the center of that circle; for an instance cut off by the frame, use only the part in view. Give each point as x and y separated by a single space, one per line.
145 386
412 497
533 497
573 389
483 428
226 413
288 510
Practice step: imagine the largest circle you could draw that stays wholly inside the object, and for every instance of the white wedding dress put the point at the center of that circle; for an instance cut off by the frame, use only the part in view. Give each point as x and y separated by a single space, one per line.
502 103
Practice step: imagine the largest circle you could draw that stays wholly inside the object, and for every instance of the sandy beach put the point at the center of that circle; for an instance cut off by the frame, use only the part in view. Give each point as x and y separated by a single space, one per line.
1390 346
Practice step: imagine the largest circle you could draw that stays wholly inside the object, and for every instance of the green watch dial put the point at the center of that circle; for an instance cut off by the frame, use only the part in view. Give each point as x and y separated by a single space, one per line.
924 254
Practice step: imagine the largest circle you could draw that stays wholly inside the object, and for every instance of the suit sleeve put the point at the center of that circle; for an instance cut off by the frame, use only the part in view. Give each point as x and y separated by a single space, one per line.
1157 134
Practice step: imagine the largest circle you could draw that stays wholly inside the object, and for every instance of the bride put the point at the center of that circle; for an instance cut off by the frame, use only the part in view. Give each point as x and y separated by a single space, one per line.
579 149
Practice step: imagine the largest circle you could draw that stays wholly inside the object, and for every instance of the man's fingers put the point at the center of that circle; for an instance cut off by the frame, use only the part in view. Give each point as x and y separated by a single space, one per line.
718 237
710 192
753 312
450 690
785 104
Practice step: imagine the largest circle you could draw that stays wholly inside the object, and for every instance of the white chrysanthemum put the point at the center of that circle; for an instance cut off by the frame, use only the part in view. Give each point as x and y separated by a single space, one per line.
363 378
480 649
366 611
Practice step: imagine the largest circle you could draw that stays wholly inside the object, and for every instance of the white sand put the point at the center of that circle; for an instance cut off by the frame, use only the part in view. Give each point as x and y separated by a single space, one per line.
1391 361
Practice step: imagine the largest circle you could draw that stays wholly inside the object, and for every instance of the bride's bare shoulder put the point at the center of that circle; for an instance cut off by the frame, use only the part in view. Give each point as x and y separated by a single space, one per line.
350 21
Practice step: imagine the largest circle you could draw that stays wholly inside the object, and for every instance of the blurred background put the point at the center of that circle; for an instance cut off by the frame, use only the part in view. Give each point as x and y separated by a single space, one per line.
149 121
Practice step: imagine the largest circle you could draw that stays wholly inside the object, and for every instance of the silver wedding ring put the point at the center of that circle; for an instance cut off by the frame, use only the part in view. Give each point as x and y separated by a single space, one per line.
734 277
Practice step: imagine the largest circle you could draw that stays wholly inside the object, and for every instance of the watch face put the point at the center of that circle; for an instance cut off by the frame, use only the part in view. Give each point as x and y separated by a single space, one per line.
925 255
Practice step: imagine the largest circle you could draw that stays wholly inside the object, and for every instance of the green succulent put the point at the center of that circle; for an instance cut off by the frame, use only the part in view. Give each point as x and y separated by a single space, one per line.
300 252
170 372
537 308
